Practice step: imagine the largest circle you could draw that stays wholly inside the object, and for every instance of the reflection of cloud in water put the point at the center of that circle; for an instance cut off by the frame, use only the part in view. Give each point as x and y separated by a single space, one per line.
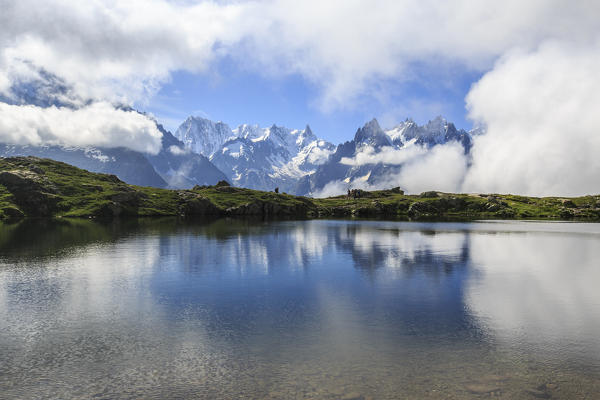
373 248
220 303
295 245
82 286
539 289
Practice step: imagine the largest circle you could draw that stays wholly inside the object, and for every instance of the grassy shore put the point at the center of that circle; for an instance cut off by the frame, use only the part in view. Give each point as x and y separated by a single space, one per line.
41 188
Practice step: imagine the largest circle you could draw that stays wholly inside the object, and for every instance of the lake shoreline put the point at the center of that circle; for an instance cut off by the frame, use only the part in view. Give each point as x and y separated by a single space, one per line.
31 187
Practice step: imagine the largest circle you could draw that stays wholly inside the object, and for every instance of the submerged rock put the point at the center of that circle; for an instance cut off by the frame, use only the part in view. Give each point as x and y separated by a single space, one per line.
539 394
12 213
482 388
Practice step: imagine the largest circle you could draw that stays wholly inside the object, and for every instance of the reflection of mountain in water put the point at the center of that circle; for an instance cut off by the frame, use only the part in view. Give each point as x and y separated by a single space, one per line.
408 282
308 281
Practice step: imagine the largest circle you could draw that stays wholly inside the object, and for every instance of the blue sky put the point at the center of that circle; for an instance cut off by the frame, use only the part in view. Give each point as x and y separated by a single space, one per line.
528 71
235 96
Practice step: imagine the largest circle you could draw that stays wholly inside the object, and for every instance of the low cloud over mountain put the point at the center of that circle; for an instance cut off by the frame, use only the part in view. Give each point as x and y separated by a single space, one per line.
71 74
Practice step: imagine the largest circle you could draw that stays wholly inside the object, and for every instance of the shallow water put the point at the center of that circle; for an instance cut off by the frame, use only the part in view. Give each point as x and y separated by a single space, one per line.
310 309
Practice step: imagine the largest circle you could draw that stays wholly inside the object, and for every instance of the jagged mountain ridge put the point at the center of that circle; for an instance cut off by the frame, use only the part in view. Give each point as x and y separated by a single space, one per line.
192 133
436 131
130 166
254 157
373 139
298 162
172 167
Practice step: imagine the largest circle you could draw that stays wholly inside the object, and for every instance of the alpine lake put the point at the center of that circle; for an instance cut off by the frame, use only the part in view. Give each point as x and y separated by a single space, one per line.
315 309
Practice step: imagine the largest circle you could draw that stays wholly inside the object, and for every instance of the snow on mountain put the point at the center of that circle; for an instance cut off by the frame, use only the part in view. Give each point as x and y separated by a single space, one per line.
372 135
298 162
436 131
255 157
375 155
203 136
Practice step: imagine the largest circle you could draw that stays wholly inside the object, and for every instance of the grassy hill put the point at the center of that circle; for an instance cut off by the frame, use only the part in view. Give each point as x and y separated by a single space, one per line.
42 188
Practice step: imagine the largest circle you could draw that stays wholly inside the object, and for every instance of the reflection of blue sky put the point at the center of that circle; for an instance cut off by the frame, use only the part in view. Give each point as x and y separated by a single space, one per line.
314 288
456 281
402 282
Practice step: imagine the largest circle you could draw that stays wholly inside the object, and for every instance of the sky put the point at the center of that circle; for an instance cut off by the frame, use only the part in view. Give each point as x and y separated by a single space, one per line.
237 96
527 71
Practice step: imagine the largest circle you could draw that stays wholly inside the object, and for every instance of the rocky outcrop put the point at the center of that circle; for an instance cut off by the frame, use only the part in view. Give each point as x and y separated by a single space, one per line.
33 187
268 209
194 205
32 192
125 202
436 207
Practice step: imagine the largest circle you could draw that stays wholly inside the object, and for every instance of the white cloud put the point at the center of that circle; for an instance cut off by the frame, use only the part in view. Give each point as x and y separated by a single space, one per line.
387 155
115 50
126 50
177 151
441 168
123 51
98 124
347 47
333 188
543 124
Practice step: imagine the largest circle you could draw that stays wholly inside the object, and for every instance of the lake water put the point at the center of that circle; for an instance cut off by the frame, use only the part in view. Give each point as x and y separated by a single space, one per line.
292 310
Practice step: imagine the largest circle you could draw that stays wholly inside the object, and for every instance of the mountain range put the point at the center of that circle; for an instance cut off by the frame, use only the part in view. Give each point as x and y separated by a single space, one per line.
254 157
296 161
173 167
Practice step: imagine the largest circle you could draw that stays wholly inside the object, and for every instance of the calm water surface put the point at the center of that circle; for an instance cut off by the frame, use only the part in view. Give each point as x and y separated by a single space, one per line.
314 309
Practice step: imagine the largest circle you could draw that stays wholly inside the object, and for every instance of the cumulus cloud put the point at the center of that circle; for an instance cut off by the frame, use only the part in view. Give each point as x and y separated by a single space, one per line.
347 47
541 113
442 168
122 52
343 47
115 50
98 124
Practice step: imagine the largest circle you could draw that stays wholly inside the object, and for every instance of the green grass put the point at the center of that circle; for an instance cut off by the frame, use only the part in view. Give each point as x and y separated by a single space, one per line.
74 192
228 197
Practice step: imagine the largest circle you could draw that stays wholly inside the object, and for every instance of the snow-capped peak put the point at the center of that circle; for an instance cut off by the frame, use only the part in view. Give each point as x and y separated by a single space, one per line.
371 134
247 131
436 125
435 131
203 136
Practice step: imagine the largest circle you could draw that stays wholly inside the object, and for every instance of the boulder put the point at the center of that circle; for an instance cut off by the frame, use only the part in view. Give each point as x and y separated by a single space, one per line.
32 193
226 189
109 211
420 208
568 203
565 213
429 195
198 206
